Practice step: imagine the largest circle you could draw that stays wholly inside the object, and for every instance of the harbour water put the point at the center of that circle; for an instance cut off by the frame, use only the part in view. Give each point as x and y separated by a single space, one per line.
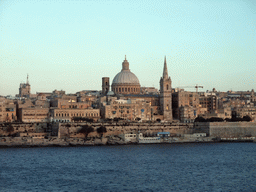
153 167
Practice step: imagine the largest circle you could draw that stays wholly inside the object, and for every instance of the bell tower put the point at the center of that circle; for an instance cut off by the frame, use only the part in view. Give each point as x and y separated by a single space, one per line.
166 94
105 85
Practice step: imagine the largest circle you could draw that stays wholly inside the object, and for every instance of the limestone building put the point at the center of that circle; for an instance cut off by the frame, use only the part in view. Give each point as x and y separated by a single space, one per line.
33 114
130 109
24 90
166 94
105 85
183 101
66 114
126 87
7 110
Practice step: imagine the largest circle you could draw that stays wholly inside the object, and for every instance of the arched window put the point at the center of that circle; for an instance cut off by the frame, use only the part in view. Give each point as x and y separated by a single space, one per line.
106 83
119 89
167 87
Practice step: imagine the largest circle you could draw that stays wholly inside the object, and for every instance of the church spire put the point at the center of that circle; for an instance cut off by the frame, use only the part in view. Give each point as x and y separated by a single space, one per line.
27 79
165 72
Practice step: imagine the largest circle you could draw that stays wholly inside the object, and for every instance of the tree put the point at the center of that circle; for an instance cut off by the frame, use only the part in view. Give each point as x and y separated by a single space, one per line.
247 118
101 130
137 119
10 129
116 119
215 119
85 129
77 119
200 119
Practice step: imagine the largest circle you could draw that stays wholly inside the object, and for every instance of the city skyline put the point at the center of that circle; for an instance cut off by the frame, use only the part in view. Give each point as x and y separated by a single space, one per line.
71 45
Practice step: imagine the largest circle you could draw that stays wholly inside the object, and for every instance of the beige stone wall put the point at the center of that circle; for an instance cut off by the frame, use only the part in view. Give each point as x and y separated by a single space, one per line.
67 114
24 90
227 129
184 98
22 128
70 104
128 110
71 129
125 89
33 114
7 110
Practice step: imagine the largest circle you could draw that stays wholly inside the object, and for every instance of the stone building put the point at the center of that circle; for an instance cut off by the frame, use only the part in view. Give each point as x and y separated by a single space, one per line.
126 86
7 110
24 90
181 98
187 114
149 90
240 112
69 104
209 102
105 85
130 109
166 94
33 114
125 82
66 114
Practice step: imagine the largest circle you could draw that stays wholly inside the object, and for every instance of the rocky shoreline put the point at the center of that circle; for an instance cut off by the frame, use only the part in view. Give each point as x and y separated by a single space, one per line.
25 142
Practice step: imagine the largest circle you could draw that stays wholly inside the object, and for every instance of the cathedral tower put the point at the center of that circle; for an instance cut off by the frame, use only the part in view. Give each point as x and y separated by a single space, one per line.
166 94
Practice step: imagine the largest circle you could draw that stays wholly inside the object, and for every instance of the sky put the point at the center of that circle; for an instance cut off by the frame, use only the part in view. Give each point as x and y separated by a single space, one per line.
70 44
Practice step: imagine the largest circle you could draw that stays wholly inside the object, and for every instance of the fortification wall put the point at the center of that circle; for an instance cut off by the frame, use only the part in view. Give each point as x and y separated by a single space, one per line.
72 129
227 129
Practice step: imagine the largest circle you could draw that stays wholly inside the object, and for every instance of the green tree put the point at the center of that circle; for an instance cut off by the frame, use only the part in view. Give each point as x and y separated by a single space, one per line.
9 129
86 129
101 130
247 118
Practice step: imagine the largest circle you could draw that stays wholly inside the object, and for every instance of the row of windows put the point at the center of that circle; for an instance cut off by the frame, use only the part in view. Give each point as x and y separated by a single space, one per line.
35 114
126 89
76 115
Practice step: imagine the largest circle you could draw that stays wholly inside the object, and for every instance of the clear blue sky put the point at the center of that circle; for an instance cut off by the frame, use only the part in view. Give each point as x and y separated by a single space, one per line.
72 44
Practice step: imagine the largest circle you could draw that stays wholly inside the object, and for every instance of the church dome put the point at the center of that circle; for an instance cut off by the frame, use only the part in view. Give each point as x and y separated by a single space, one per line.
126 82
125 77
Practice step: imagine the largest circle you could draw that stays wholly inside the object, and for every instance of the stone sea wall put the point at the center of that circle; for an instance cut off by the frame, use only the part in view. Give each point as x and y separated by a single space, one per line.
227 129
72 129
